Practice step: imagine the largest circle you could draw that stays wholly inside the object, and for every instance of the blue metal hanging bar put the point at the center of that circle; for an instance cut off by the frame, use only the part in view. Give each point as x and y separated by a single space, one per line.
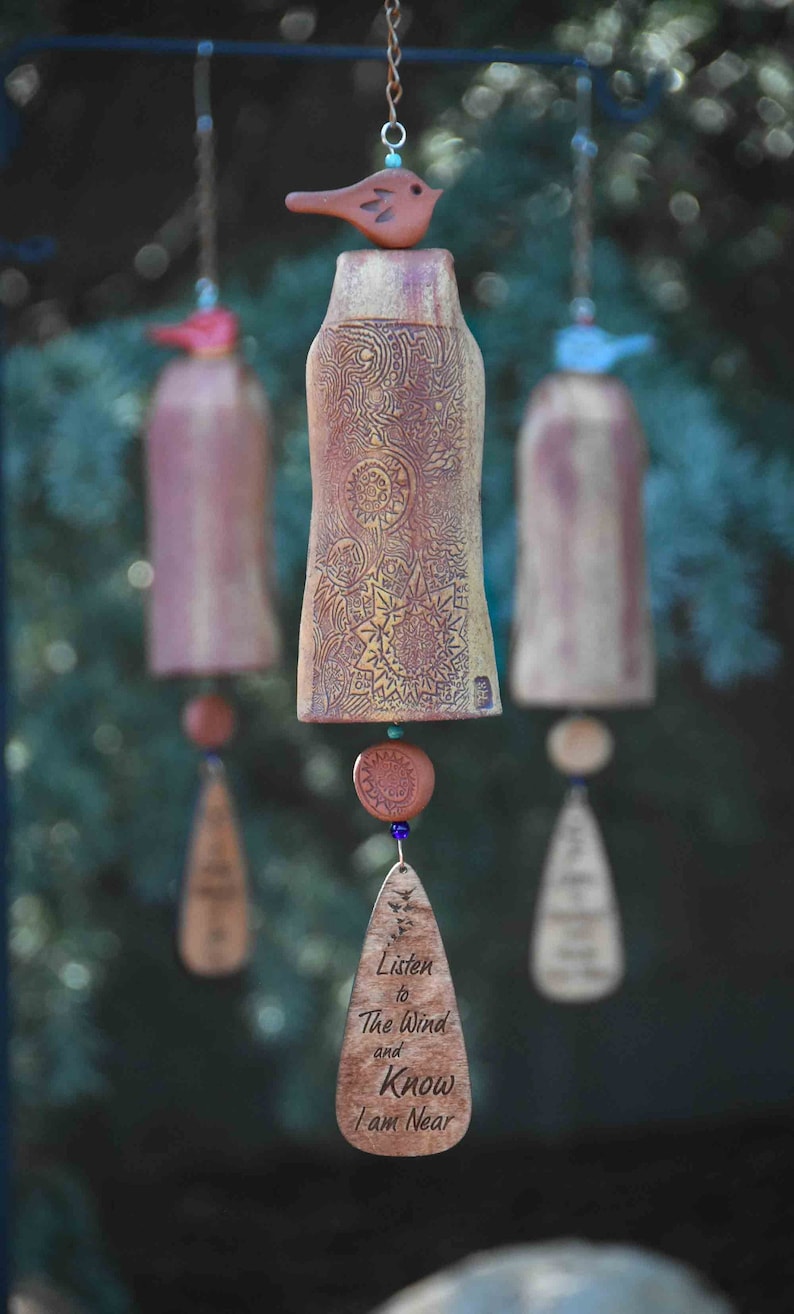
286 50
440 55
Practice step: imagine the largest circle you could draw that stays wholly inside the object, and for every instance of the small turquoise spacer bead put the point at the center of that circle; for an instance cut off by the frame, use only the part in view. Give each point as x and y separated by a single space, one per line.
206 294
395 732
393 160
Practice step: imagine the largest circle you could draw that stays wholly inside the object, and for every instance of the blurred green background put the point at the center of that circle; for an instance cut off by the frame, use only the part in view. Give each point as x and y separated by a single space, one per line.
153 1109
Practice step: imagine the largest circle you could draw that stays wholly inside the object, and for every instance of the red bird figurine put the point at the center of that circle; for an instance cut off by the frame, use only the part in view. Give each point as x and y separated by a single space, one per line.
393 207
205 333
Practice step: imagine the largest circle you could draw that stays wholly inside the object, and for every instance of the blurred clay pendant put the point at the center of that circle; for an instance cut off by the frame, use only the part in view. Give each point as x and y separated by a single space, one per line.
213 926
403 1085
576 953
213 936
211 611
582 633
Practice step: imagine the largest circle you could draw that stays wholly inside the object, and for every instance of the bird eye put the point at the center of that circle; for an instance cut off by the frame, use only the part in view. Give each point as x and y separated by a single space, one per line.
416 189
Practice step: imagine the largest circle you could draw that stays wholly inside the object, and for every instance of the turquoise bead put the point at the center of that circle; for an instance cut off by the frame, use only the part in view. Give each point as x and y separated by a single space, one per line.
393 160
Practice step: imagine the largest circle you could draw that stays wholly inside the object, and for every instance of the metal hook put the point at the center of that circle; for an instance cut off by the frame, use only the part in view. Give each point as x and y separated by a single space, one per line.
614 109
393 127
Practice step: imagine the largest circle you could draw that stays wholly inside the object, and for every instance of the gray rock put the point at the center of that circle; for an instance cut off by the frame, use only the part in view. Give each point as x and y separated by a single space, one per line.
561 1277
38 1296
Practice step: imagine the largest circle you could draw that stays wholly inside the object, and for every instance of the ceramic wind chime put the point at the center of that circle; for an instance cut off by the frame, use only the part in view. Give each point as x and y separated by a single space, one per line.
211 610
395 626
582 632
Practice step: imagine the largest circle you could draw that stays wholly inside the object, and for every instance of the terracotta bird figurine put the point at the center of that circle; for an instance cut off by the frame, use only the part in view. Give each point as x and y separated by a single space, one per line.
393 208
205 333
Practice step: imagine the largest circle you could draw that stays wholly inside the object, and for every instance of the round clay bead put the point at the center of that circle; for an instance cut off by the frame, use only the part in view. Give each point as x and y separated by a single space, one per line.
394 781
579 745
208 721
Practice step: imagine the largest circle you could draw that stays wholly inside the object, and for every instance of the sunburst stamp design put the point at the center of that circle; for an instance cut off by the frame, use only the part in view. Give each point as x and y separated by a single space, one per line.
388 781
394 782
378 491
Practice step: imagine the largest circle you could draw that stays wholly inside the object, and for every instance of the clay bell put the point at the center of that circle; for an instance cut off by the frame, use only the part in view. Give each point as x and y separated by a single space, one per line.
208 473
395 625
582 629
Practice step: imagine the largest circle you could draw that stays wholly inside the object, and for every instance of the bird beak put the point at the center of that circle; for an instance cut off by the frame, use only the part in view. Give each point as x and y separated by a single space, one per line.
169 335
337 203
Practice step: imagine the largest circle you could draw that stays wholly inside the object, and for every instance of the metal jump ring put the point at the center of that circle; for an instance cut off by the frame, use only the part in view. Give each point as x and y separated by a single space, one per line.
384 135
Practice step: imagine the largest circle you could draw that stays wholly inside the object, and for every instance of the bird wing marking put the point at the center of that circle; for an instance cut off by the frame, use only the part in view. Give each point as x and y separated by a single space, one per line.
385 217
371 205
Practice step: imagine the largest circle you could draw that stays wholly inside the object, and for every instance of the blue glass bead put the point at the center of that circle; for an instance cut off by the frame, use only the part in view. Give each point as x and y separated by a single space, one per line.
395 732
400 830
393 160
577 782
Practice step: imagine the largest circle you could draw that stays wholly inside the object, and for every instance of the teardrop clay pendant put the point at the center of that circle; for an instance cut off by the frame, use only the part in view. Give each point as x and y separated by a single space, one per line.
403 1085
577 945
213 922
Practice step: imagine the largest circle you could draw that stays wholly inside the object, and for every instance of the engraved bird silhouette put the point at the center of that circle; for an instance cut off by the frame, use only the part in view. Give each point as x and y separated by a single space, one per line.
393 207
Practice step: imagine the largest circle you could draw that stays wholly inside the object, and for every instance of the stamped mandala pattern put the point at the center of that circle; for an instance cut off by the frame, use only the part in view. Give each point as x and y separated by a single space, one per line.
389 610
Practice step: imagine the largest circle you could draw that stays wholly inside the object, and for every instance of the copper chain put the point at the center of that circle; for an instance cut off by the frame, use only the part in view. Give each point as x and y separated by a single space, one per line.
584 151
582 276
206 192
394 87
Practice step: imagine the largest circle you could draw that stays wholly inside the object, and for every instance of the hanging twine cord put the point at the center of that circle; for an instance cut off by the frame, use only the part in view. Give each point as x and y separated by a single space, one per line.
206 191
584 152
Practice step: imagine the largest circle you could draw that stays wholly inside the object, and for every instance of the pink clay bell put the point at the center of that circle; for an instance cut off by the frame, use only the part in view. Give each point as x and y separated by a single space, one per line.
208 465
